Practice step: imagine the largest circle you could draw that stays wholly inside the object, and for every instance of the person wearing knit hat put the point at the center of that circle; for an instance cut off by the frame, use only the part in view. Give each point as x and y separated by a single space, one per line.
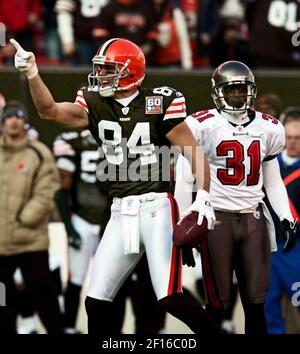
290 113
269 103
16 109
29 181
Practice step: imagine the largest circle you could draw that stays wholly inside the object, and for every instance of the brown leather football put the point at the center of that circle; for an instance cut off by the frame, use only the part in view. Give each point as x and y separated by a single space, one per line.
188 232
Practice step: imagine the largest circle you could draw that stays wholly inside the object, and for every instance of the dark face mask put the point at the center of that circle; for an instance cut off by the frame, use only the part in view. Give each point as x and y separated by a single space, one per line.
235 95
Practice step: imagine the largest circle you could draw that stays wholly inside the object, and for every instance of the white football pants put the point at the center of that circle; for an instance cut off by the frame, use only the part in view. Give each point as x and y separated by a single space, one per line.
156 215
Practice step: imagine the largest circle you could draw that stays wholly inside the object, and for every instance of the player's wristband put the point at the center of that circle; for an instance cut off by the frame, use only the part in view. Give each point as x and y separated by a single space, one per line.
33 72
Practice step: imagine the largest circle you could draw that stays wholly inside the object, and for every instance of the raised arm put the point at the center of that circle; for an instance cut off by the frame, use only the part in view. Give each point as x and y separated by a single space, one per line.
66 113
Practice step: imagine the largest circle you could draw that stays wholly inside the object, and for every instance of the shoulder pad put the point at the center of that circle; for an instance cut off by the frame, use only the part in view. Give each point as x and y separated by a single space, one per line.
267 117
201 116
166 91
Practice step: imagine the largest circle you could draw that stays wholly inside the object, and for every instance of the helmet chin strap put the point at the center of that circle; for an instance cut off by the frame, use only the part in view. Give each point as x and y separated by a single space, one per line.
107 92
236 117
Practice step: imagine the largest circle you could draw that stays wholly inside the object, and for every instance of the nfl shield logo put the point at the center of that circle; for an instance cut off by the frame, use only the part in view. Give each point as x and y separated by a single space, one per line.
125 110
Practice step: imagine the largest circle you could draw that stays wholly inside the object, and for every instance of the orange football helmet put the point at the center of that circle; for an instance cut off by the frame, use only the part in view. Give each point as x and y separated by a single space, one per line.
125 67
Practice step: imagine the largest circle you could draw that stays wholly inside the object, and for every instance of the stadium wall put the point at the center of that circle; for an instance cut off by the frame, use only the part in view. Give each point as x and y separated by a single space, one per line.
63 82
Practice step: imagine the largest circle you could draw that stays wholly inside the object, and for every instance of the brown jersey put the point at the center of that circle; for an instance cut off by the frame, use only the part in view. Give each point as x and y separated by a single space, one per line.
132 138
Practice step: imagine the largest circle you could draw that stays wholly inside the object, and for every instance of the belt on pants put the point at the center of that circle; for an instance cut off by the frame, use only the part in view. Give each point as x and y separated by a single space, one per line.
130 218
143 198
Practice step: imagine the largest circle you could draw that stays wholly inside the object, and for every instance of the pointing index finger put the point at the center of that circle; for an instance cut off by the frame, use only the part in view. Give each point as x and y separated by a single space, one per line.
16 44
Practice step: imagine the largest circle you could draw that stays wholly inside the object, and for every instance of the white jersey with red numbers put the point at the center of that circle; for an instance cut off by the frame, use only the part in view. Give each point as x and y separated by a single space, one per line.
235 154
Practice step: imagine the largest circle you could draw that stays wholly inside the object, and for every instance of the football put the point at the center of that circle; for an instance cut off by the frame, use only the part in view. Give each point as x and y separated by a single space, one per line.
188 233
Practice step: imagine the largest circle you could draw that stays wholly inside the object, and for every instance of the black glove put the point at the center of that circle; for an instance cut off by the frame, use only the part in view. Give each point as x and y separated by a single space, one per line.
188 257
74 239
288 231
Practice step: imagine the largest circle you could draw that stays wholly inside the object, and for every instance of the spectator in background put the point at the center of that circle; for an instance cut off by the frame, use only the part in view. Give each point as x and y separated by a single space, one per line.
221 30
190 9
272 25
128 19
291 313
269 103
28 182
53 48
2 103
32 132
207 27
172 47
6 54
285 268
290 113
76 20
27 323
20 19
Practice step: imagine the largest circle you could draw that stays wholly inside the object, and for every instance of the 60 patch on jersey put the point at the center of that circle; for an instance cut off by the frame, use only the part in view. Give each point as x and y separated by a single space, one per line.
154 104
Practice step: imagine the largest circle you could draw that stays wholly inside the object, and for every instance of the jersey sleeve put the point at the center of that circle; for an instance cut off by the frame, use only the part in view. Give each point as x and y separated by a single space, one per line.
276 141
64 154
197 129
175 111
184 184
80 100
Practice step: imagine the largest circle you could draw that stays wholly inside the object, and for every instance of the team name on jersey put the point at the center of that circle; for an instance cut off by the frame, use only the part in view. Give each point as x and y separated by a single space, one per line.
124 119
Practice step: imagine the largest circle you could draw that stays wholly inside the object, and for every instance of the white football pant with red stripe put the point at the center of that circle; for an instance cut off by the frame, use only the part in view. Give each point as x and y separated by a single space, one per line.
156 215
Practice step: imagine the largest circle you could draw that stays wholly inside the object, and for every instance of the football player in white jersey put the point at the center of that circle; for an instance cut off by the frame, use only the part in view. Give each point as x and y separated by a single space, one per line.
241 146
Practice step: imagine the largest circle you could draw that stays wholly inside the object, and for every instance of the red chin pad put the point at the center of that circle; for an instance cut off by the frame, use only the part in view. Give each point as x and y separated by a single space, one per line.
188 232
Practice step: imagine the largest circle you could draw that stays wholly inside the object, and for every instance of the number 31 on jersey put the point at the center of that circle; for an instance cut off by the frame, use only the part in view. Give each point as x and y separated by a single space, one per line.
234 173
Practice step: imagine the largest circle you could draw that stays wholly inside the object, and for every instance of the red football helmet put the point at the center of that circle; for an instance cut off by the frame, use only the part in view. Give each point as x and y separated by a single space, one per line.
125 64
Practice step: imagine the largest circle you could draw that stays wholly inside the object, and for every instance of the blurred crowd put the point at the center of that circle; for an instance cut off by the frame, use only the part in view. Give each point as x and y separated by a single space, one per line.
172 33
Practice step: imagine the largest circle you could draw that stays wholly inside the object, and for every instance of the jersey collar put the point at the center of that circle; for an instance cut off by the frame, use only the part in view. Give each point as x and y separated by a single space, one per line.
125 101
251 115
